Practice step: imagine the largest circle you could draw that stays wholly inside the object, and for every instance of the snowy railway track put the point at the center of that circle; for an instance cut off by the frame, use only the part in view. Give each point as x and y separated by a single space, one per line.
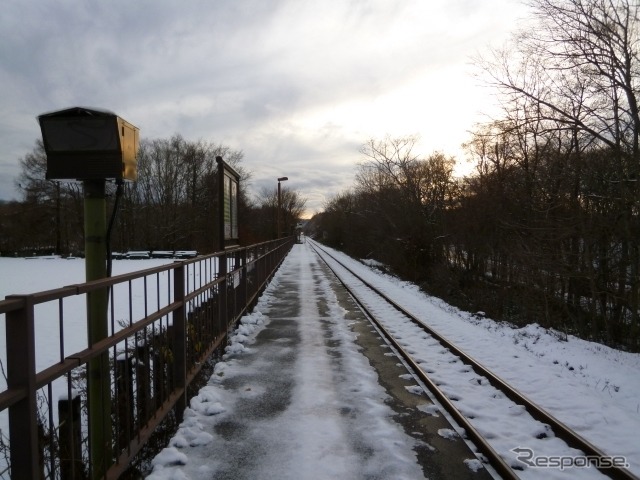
462 385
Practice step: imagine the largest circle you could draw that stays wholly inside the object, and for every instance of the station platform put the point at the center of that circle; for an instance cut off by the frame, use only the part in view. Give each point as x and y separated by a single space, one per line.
308 390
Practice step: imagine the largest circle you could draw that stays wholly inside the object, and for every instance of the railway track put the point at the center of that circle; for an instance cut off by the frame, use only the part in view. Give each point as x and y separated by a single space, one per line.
532 426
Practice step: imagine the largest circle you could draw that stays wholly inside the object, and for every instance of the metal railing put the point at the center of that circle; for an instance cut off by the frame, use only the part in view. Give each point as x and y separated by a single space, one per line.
164 323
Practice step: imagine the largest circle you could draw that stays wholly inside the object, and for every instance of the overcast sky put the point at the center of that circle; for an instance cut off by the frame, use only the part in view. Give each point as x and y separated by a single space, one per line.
297 85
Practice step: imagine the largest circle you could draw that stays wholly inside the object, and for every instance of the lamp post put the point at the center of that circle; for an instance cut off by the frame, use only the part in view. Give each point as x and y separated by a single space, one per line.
281 179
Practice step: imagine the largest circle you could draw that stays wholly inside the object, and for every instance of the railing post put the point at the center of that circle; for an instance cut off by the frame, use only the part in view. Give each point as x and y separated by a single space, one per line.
71 466
222 294
179 340
245 280
143 385
159 372
124 400
236 287
21 375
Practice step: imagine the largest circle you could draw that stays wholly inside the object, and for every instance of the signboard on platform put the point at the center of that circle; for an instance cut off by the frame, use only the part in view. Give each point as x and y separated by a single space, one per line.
228 190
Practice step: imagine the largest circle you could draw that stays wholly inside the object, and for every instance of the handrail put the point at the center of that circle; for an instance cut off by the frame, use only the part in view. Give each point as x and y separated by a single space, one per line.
164 323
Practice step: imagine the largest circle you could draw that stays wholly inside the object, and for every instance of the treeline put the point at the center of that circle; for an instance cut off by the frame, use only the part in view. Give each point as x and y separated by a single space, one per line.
172 206
547 229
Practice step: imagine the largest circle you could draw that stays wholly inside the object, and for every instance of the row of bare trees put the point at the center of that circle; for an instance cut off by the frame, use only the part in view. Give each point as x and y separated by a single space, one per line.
395 212
173 203
172 206
547 229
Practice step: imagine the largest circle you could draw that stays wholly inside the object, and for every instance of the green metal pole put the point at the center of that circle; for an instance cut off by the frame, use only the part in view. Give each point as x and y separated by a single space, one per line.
98 377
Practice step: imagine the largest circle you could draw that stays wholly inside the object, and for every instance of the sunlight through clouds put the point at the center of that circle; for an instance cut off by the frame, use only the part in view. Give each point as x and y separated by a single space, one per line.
298 86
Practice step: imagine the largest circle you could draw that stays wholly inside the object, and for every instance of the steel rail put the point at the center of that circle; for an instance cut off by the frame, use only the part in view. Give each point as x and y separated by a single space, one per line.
561 430
494 458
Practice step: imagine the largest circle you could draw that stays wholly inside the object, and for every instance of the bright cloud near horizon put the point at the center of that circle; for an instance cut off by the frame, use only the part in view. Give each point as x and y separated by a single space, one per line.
297 85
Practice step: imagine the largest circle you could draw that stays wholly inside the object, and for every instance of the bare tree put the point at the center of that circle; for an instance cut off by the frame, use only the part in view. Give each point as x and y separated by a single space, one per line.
265 215
396 211
579 67
173 204
568 146
51 210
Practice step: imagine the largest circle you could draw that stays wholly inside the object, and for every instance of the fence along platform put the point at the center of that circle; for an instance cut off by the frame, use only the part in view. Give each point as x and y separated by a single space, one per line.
164 323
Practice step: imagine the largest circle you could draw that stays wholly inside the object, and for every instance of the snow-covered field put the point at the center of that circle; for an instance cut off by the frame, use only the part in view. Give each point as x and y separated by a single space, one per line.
24 276
21 275
592 388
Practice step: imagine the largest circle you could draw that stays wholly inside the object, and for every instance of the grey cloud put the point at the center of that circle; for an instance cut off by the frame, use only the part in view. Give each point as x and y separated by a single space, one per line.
245 73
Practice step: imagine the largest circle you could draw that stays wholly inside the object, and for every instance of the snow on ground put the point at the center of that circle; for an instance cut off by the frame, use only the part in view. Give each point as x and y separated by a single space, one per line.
24 276
34 274
311 438
592 388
